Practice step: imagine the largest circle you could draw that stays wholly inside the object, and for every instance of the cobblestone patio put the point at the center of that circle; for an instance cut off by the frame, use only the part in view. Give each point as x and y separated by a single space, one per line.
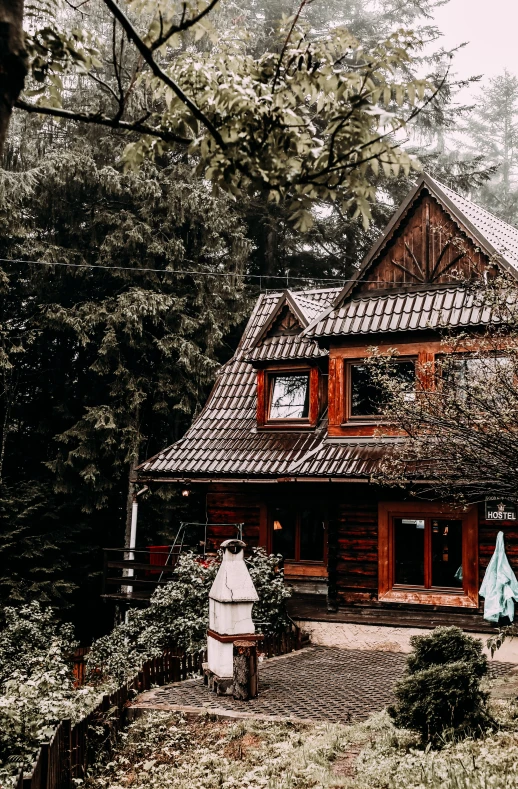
317 683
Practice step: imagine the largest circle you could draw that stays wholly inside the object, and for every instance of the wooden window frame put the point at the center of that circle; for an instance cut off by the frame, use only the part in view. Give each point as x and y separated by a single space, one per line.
298 566
388 591
264 392
366 419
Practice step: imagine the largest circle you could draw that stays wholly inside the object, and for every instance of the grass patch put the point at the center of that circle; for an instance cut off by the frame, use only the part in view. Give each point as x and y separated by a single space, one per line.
163 750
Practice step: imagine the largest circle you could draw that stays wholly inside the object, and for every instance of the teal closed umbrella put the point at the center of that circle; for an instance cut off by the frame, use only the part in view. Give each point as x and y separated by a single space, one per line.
499 586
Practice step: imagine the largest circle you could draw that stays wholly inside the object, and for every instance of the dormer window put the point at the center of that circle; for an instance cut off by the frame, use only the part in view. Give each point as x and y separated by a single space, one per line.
289 396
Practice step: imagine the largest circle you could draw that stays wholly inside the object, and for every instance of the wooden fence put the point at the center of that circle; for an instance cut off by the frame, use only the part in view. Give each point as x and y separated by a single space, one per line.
281 643
70 750
181 665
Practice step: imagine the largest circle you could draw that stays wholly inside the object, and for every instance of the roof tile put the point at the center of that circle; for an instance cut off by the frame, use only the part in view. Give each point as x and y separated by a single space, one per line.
455 306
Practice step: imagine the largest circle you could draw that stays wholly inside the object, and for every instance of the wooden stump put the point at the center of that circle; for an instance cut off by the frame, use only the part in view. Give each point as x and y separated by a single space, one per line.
246 681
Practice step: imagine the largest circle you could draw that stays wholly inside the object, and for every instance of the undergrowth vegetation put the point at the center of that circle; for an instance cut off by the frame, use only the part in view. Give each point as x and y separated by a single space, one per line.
179 615
162 750
36 669
36 683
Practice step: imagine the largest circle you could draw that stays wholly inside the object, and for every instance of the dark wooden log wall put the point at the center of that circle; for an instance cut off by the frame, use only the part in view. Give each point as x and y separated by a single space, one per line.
487 531
357 548
353 535
352 529
227 507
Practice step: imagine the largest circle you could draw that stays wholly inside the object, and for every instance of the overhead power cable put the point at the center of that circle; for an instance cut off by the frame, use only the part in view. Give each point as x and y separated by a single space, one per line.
182 272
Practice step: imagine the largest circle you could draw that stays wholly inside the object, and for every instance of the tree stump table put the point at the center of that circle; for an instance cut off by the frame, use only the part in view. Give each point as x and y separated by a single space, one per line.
246 679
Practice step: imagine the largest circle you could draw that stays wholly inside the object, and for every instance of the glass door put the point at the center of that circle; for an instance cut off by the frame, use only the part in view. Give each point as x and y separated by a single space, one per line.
427 552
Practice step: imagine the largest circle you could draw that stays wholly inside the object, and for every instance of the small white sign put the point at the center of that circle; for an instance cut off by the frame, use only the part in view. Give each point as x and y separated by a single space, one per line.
419 524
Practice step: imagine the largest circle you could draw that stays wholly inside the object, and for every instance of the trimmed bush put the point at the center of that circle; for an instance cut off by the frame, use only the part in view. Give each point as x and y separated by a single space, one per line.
446 645
440 695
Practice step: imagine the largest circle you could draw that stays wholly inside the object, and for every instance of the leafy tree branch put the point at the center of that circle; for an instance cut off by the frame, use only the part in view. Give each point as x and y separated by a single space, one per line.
305 125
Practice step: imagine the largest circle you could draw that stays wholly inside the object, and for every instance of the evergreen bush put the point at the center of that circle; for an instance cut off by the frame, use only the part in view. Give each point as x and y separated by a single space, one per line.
440 696
446 645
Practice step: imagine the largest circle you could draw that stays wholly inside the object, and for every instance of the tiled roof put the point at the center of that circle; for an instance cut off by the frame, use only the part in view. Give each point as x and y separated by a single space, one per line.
292 346
285 347
454 306
310 307
224 441
348 458
500 235
392 312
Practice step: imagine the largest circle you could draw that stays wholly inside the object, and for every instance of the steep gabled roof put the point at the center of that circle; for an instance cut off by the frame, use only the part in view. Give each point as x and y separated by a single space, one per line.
496 238
223 441
495 235
305 306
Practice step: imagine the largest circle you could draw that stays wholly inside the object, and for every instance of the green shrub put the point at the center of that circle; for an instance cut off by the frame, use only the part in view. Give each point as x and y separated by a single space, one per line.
446 645
440 695
36 682
179 615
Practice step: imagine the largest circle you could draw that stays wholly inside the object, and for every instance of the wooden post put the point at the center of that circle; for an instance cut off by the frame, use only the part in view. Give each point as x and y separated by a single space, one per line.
246 683
66 765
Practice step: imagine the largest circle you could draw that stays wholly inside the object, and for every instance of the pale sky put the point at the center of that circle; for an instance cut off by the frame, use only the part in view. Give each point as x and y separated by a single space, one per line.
490 27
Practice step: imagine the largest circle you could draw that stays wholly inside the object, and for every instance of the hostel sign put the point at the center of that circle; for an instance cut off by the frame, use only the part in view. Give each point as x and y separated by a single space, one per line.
498 509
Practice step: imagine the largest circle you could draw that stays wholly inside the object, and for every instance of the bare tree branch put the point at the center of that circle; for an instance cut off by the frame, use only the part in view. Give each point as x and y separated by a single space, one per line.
147 54
100 120
286 42
185 24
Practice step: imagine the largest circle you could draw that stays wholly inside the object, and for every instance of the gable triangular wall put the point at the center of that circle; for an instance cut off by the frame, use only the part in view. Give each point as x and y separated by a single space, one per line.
435 238
425 249
287 318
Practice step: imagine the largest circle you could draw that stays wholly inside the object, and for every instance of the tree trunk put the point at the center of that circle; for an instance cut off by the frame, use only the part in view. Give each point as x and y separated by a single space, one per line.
13 61
245 685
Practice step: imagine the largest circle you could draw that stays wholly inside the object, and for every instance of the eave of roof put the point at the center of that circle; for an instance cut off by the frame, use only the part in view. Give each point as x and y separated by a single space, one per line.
437 308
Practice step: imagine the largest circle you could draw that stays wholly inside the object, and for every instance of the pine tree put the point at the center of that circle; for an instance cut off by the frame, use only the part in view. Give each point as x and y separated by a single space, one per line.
493 131
101 367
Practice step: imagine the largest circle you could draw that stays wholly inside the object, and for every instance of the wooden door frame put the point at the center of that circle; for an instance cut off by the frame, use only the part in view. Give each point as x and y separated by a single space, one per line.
468 598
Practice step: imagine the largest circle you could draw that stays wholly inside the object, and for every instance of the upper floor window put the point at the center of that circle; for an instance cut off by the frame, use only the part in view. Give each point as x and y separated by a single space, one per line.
289 396
474 371
479 382
366 396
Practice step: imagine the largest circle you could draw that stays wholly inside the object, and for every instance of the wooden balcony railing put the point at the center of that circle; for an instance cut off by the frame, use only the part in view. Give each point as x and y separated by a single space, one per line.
133 575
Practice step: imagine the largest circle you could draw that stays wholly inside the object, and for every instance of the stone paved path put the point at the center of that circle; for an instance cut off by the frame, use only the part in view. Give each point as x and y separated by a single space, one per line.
316 683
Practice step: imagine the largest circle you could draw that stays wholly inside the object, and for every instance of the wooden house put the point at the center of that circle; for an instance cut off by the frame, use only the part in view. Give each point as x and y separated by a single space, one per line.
286 442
